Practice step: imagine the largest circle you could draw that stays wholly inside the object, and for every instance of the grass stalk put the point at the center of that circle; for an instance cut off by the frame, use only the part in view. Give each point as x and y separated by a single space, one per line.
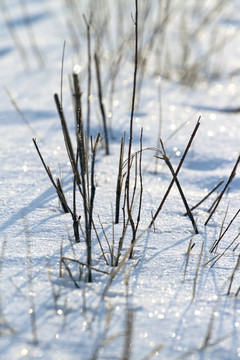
159 29
128 335
32 308
88 198
160 116
141 181
219 256
196 273
224 232
65 258
62 198
75 217
233 274
3 322
190 247
127 184
99 242
14 35
223 222
77 102
221 230
64 261
209 332
88 24
113 77
60 195
67 139
176 173
59 190
206 197
154 227
154 352
119 181
105 340
120 264
21 114
141 192
60 262
168 163
232 175
55 294
113 239
100 98
110 248
61 77
31 36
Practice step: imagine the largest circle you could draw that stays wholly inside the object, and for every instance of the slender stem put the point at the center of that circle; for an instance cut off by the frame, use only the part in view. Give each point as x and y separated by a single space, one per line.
206 197
32 38
88 25
224 189
129 210
59 193
61 82
67 139
119 181
100 97
228 247
217 242
176 173
233 274
182 194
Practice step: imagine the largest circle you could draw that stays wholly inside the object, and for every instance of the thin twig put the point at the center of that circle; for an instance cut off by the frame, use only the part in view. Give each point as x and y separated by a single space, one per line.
232 242
167 160
104 234
196 274
176 173
205 197
88 25
128 325
14 34
224 189
141 190
127 184
217 242
64 201
190 246
86 265
224 219
116 270
119 181
61 81
19 111
67 139
32 308
99 242
100 97
233 274
32 39
70 273
59 193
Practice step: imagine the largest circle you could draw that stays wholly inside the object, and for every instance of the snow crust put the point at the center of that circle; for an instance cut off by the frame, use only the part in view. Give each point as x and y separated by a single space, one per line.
78 323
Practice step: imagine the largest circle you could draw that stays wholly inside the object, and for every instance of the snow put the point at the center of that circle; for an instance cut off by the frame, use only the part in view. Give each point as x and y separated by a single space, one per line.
175 311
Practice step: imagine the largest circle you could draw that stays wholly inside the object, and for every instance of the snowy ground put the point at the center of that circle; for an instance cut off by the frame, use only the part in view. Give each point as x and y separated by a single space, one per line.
163 308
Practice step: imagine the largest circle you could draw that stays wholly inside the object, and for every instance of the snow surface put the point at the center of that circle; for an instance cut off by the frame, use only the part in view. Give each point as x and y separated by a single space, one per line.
43 316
